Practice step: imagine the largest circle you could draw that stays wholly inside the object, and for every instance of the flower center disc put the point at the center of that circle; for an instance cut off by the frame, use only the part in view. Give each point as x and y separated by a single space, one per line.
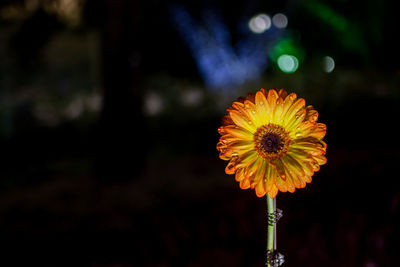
271 141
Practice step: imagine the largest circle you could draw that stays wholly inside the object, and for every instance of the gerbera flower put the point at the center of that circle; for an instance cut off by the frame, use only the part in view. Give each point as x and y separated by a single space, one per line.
272 142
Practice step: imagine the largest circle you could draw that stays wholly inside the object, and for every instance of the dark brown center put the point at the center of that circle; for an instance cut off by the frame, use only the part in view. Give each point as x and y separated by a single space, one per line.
272 143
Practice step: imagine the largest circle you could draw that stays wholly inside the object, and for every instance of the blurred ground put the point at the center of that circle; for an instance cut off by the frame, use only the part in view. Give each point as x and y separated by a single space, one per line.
186 212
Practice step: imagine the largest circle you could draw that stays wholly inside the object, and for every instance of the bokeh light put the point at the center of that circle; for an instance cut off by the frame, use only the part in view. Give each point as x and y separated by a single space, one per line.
288 63
192 97
260 23
153 104
75 108
280 20
328 64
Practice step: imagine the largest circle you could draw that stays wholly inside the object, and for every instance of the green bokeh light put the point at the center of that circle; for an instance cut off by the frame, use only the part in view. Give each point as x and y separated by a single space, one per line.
287 45
288 63
328 15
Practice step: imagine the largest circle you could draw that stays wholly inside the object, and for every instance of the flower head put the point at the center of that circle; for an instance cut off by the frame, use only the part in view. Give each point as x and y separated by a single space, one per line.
272 141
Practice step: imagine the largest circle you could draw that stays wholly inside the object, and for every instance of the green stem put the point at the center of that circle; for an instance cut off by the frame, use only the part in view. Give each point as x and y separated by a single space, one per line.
271 226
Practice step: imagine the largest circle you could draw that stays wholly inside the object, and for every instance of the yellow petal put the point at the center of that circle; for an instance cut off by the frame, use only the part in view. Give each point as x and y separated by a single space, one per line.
273 192
286 175
239 176
296 170
260 190
309 128
292 111
271 99
281 184
223 157
320 159
230 168
263 110
260 173
221 146
308 143
304 129
319 131
270 178
280 170
227 139
306 160
241 120
295 122
245 184
238 132
252 168
238 147
287 103
252 113
295 165
278 111
312 114
239 106
247 158
282 93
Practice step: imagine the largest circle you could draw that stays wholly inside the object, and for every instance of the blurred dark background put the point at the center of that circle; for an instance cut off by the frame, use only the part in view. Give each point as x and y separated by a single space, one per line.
109 112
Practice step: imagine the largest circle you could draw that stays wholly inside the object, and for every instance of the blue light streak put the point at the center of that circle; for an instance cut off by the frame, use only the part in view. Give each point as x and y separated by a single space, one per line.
221 64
